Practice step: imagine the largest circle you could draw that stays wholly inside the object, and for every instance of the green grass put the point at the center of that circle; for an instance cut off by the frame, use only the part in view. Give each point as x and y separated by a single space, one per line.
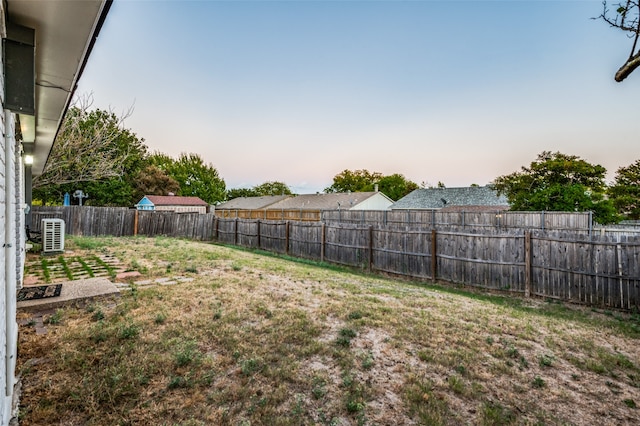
44 263
263 339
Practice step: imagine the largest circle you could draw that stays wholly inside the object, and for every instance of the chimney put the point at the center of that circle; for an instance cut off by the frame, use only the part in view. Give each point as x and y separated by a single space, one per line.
375 188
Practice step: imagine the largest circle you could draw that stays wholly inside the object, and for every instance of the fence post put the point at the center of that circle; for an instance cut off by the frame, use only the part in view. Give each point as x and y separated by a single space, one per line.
258 226
77 221
527 264
620 273
286 237
216 225
322 238
434 256
235 232
370 247
135 223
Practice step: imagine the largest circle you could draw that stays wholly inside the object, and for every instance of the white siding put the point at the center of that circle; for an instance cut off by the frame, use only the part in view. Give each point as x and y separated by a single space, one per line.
9 328
4 408
376 202
8 264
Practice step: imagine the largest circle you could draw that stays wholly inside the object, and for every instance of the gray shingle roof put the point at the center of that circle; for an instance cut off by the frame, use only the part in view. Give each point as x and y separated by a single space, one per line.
437 198
251 203
334 201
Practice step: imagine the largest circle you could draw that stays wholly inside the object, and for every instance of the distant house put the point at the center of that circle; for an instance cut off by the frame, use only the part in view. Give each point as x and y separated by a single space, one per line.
172 203
335 201
251 203
473 198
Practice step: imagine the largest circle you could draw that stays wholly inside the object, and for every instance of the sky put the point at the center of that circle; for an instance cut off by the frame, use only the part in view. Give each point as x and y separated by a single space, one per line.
458 92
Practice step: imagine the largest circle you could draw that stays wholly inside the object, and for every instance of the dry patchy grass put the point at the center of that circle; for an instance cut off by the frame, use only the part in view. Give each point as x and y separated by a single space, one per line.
257 339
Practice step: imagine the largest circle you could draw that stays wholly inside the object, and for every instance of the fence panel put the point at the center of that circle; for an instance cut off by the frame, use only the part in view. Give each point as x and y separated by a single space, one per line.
247 233
347 245
597 273
305 240
402 252
630 269
488 261
204 227
273 236
226 231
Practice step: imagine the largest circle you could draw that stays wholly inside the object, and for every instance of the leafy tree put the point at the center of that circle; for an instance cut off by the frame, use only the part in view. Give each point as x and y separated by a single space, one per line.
627 19
396 186
91 145
272 188
95 153
267 188
241 192
154 181
558 182
625 191
195 177
354 181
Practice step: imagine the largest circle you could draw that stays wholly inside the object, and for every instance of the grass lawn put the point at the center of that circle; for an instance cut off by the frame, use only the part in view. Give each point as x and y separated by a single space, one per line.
256 339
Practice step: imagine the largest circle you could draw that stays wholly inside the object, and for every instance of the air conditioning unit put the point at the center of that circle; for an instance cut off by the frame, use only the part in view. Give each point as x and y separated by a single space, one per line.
52 235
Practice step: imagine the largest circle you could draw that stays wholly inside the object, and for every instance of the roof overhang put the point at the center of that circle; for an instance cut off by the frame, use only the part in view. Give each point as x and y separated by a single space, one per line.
65 32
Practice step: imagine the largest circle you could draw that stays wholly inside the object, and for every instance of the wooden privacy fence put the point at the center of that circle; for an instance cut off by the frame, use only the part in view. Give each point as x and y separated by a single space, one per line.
477 220
121 221
596 273
272 214
603 273
89 221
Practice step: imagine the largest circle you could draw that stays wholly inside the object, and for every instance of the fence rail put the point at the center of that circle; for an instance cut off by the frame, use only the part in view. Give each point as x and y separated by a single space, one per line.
563 265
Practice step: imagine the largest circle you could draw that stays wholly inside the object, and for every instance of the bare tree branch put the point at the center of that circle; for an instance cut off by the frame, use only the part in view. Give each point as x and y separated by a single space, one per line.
629 66
627 19
87 146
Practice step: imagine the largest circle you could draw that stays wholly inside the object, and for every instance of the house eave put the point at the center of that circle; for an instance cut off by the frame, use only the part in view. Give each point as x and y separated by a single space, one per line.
65 33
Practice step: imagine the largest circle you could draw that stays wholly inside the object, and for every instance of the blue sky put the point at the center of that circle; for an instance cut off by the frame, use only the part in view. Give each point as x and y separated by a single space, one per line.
296 91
